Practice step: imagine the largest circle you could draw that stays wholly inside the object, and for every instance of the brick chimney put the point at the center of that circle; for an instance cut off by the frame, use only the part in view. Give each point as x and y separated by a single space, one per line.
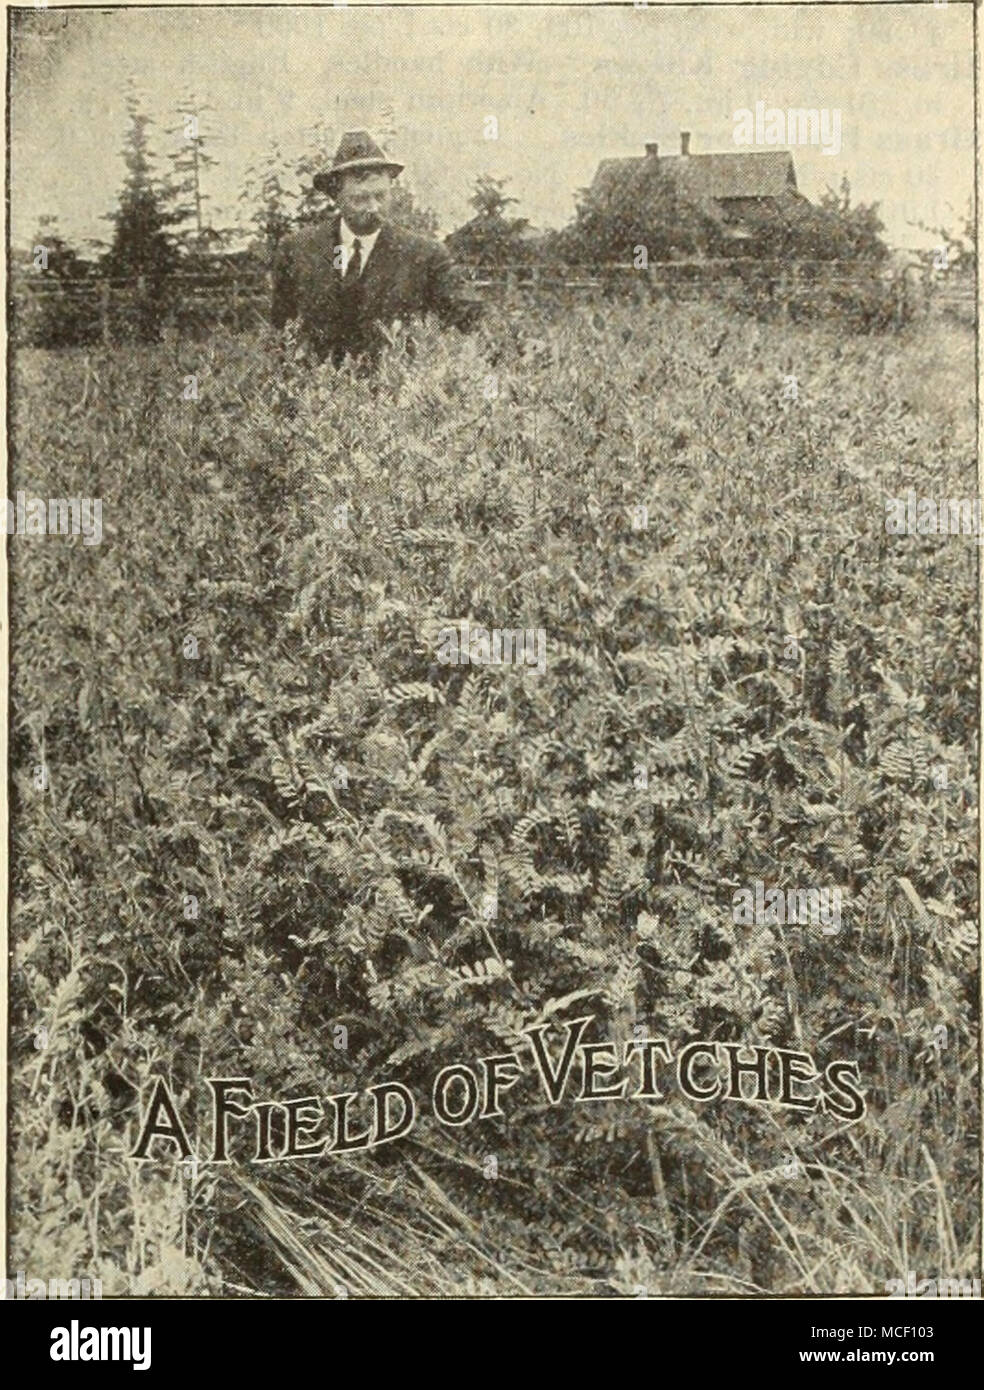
652 149
684 142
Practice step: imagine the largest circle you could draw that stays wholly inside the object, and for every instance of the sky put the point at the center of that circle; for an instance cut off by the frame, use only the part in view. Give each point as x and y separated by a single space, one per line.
568 86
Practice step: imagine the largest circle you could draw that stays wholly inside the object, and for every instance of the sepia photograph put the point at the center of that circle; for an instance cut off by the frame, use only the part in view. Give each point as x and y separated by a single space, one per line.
493 540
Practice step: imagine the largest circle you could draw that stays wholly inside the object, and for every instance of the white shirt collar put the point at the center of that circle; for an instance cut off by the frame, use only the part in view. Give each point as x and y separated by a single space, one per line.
366 240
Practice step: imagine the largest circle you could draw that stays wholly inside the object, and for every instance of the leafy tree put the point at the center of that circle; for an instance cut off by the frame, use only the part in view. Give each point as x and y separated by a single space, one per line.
832 230
59 315
648 209
959 244
60 261
403 209
267 198
489 200
313 205
405 213
853 231
490 238
645 209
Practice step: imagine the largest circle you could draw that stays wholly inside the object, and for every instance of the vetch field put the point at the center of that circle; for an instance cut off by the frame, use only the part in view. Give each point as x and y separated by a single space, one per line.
261 829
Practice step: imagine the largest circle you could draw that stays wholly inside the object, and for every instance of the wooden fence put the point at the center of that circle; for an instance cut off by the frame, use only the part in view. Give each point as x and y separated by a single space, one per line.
241 300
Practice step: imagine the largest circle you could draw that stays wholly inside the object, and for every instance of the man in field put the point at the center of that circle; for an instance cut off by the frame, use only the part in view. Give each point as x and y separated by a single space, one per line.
347 278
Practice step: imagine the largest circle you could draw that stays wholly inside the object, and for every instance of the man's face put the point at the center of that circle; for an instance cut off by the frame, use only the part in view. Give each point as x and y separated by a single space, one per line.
364 200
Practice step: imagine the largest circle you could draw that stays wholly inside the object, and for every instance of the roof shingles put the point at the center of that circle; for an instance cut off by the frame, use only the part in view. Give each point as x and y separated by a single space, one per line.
744 174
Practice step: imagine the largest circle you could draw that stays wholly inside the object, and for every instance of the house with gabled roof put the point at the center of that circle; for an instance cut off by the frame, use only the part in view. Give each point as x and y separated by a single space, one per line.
737 191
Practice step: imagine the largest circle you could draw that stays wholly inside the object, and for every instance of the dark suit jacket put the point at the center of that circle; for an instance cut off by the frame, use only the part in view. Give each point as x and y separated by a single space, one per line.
405 275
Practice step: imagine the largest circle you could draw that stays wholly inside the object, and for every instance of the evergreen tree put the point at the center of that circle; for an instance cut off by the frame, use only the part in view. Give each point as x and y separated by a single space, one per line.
189 162
142 252
141 245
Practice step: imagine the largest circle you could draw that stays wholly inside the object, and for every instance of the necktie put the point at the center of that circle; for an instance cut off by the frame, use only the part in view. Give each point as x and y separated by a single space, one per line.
350 328
354 268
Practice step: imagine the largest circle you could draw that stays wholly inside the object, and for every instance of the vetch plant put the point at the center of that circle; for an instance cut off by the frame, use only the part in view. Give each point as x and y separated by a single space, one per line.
478 646
758 906
671 751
